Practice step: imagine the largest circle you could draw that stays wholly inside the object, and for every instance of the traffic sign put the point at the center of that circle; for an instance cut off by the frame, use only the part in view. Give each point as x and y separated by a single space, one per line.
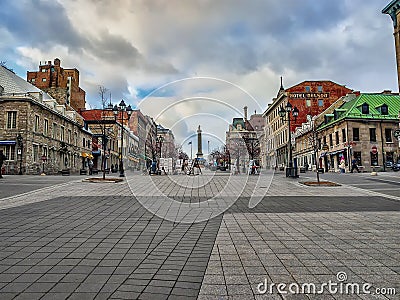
374 150
396 133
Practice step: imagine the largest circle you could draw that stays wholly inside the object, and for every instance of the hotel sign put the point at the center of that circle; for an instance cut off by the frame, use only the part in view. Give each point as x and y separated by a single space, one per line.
308 95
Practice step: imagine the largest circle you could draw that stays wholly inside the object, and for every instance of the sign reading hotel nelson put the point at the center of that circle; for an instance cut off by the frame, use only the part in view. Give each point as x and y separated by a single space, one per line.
308 95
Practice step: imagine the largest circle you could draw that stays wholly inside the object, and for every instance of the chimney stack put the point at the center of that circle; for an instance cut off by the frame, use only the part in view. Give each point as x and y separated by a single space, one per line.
245 113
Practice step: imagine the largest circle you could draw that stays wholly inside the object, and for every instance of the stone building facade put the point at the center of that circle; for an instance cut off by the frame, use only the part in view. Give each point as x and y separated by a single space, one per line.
61 84
52 137
243 140
358 126
107 143
168 147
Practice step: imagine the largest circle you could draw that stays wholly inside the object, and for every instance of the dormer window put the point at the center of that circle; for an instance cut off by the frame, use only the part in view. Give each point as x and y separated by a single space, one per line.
384 110
365 109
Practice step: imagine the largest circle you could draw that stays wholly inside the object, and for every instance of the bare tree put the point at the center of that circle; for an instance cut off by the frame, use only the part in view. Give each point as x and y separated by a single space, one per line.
102 93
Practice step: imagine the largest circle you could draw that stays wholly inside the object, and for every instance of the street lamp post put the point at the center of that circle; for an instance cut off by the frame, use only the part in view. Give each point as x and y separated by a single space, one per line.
19 152
117 109
160 140
290 171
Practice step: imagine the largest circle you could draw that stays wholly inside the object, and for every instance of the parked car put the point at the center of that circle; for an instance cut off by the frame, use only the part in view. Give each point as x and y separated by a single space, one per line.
389 164
396 166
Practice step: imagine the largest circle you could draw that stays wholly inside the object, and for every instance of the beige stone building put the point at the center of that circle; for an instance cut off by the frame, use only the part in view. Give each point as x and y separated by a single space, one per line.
38 133
243 140
357 126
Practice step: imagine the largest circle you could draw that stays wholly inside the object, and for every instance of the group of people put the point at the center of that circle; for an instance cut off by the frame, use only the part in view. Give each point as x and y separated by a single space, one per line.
354 166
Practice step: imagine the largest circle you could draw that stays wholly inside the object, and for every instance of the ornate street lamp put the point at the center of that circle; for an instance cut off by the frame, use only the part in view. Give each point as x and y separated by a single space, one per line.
285 112
19 151
117 109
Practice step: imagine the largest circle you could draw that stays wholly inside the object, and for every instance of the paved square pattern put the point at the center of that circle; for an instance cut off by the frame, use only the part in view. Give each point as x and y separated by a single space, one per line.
97 241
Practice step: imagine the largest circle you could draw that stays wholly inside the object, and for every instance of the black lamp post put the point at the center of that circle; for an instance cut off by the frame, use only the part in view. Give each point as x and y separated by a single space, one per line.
122 108
19 152
160 140
285 112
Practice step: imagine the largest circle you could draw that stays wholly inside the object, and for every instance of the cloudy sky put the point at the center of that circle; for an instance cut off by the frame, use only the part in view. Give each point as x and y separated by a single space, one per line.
199 62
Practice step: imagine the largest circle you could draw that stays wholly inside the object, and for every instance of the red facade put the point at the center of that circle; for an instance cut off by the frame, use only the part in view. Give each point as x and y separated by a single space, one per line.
59 83
313 97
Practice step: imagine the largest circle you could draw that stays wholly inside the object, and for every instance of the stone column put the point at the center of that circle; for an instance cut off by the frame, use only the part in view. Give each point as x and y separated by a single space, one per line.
199 143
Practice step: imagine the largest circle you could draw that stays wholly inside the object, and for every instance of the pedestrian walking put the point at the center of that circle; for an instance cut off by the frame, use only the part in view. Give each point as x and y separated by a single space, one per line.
354 165
90 163
2 159
342 166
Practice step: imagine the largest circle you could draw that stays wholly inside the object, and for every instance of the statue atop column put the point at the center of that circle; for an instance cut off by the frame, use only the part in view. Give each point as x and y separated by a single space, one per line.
199 144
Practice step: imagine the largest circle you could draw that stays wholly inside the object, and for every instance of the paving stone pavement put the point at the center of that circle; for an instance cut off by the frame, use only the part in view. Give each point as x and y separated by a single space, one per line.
82 240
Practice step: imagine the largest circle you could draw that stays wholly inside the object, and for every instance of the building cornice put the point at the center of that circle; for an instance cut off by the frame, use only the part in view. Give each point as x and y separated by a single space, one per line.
274 103
392 9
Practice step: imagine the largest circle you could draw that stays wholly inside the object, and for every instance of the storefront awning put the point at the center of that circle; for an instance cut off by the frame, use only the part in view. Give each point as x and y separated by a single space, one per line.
336 152
8 142
87 155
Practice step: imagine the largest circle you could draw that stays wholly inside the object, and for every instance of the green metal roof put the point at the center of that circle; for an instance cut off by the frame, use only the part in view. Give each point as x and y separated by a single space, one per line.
352 108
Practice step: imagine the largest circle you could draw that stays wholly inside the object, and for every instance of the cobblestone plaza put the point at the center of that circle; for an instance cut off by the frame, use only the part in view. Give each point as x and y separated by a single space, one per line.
195 237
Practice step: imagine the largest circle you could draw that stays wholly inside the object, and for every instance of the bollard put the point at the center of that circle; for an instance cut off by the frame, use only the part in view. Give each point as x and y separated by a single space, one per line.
374 173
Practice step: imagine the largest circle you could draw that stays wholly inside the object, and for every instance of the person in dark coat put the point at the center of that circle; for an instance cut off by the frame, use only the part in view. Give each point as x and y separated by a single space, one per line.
2 159
354 165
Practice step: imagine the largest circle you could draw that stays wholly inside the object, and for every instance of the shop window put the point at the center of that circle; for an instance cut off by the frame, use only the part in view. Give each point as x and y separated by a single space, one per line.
10 152
35 153
357 156
389 156
374 159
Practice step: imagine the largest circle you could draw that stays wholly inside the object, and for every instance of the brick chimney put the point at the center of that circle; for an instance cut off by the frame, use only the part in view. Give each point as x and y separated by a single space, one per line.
245 113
